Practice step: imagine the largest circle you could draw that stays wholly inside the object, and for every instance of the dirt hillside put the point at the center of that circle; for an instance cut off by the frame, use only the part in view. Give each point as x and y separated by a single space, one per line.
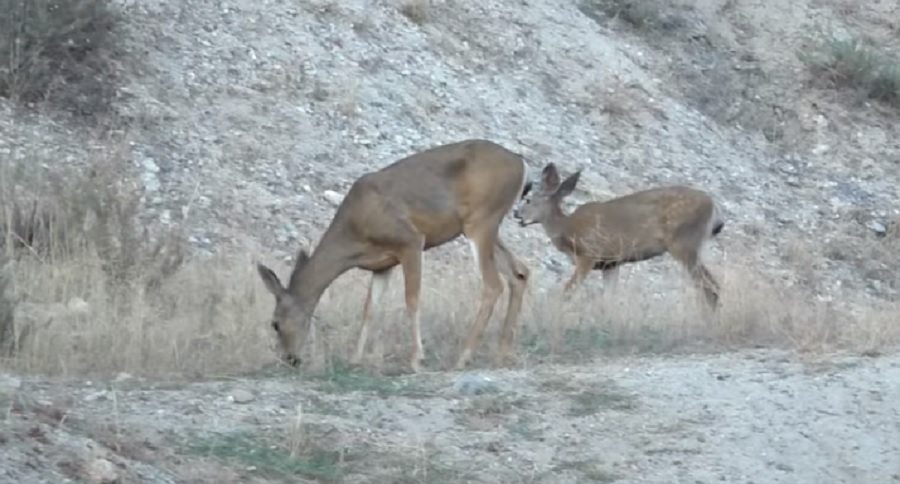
237 126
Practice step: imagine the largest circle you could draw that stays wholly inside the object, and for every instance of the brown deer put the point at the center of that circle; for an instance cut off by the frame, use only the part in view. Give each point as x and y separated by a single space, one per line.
632 228
390 217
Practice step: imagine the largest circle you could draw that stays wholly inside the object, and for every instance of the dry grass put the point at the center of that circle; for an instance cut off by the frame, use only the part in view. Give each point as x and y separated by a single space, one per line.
92 289
638 316
92 293
210 318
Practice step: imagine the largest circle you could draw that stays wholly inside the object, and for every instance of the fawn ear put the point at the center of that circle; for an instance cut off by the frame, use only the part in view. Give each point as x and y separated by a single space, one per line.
270 279
567 187
549 178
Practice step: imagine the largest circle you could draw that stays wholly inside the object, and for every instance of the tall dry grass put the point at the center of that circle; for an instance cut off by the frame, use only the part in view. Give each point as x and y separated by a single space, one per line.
642 314
87 290
89 287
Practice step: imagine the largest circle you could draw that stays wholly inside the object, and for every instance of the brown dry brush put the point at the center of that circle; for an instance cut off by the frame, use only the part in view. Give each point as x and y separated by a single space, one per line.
88 220
58 51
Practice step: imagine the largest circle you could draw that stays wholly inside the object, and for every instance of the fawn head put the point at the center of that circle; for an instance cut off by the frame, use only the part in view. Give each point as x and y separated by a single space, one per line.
537 206
292 316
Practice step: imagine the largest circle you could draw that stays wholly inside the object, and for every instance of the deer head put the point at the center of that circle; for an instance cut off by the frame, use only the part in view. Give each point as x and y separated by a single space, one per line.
544 203
292 316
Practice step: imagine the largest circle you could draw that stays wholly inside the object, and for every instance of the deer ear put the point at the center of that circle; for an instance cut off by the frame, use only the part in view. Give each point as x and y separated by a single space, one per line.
270 280
568 186
549 178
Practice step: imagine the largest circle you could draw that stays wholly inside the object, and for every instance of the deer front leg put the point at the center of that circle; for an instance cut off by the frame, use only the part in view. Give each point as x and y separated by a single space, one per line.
491 288
378 286
412 278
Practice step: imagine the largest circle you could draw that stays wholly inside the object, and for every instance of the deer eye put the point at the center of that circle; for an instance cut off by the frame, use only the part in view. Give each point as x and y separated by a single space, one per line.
275 325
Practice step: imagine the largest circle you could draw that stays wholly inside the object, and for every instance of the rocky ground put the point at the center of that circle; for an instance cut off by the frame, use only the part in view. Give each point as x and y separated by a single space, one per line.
760 417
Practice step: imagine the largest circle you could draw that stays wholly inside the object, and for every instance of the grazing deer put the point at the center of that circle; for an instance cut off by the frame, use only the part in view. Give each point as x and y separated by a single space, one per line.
631 228
391 217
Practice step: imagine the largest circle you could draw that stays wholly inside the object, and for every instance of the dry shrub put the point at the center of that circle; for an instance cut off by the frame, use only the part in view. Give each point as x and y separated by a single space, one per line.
644 15
207 318
7 309
417 11
61 51
851 63
92 289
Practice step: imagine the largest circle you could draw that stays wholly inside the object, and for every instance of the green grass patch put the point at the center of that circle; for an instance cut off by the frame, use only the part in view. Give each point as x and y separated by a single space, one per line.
591 470
590 400
587 398
254 452
344 378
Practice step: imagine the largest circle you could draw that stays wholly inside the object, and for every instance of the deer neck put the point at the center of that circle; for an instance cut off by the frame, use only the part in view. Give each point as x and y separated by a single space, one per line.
330 259
555 225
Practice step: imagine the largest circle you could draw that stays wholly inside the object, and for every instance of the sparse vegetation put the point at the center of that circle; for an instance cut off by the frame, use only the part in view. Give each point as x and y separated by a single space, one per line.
851 62
7 310
93 288
58 51
589 398
417 11
341 378
265 457
640 14
592 470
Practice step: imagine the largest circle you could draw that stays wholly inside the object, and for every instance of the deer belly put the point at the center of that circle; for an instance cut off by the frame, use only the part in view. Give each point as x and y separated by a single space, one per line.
438 229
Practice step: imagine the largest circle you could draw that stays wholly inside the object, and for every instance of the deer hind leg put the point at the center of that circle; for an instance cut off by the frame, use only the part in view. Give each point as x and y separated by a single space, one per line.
583 266
484 241
688 255
611 278
516 274
378 286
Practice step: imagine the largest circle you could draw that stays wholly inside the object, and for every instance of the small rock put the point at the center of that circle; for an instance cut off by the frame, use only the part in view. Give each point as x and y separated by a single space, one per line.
784 467
879 228
123 376
241 396
92 397
333 197
102 471
76 305
474 384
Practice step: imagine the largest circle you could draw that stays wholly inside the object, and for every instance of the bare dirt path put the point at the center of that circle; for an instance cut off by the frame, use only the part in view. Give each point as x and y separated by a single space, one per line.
761 417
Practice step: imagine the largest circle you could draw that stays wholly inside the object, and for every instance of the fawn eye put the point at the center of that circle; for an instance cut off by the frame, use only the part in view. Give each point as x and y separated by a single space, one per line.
275 325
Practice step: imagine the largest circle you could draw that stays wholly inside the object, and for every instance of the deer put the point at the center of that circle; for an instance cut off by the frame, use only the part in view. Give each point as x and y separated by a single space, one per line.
636 227
389 218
